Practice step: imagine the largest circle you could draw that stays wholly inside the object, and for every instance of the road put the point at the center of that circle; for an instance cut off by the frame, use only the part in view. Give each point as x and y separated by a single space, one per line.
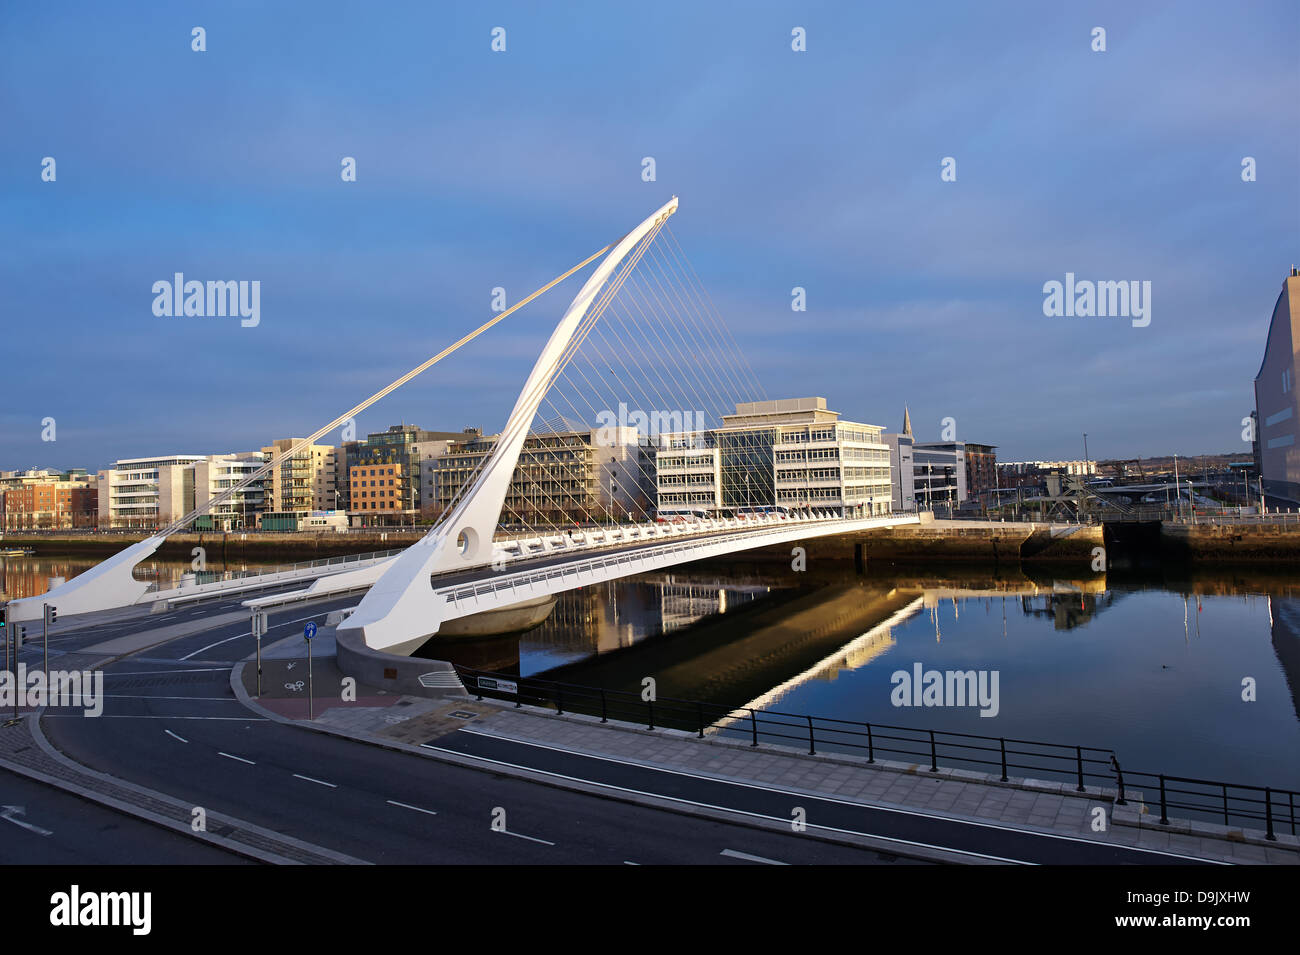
44 826
172 723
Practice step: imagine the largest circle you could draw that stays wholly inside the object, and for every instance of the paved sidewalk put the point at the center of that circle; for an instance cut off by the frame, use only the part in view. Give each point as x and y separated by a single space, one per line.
1032 805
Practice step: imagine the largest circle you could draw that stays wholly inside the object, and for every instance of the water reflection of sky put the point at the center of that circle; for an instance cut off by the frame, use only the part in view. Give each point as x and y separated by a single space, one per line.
1155 679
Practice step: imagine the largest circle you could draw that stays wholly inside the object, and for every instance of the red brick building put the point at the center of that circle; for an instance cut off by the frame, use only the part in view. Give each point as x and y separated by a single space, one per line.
47 501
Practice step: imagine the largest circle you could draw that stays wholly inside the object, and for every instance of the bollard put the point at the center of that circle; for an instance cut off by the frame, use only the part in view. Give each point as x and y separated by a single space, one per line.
812 746
1268 814
1164 816
753 721
871 748
1002 745
934 759
1078 759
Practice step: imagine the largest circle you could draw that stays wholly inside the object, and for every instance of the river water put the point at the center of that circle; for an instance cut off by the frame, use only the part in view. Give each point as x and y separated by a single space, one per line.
1155 669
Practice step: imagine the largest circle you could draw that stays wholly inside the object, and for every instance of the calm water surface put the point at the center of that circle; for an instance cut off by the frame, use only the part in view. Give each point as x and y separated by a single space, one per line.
1153 670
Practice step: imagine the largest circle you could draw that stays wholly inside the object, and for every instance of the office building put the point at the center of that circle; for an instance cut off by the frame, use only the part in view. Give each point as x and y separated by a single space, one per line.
1276 405
793 453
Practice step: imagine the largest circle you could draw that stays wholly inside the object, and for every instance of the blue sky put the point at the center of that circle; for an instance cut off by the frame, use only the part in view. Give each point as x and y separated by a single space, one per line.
478 169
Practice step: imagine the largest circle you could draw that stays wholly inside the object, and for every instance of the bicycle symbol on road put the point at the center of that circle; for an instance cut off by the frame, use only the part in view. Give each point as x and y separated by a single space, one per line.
295 686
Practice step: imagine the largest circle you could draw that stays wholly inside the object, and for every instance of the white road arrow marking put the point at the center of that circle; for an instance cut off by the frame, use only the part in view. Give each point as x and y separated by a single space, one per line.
7 813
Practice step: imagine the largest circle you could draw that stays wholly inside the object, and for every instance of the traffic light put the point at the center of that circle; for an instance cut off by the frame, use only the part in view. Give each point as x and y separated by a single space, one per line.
51 614
4 616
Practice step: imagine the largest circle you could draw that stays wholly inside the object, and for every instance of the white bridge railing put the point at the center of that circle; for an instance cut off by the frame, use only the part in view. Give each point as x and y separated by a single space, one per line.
508 588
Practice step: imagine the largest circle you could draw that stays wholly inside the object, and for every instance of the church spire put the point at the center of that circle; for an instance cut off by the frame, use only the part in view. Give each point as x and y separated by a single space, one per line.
907 422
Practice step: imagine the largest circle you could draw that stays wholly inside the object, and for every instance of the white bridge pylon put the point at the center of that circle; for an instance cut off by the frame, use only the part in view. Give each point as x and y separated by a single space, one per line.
401 606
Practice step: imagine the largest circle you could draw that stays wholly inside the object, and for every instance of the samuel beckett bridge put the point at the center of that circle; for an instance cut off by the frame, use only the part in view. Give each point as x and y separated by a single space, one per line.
522 521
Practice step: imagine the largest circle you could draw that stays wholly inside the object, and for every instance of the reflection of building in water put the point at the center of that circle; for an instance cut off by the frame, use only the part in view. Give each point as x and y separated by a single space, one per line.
601 617
1067 610
1285 613
612 615
681 605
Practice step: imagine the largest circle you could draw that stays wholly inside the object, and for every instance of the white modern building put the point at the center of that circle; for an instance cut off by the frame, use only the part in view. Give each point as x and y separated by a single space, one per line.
146 492
218 473
794 453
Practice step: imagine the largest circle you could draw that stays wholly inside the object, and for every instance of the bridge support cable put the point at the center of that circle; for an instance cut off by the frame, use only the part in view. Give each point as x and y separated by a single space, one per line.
383 392
679 346
111 583
719 326
536 391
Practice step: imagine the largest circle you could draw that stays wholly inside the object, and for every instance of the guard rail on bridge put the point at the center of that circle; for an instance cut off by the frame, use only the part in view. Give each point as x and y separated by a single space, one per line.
1080 765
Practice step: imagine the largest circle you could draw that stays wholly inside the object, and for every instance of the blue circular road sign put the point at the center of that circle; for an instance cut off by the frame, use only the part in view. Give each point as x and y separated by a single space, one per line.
309 631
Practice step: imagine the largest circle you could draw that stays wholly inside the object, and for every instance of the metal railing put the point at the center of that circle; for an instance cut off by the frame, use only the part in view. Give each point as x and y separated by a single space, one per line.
1079 765
638 549
278 572
1220 800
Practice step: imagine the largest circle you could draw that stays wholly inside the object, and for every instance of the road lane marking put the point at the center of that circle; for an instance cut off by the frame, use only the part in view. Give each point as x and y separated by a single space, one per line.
249 634
7 813
151 696
318 782
807 795
217 644
520 835
174 736
706 805
746 857
162 672
240 758
394 802
51 715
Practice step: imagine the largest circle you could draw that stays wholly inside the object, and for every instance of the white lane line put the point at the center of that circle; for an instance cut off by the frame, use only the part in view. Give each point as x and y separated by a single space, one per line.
239 758
150 696
174 736
706 805
50 715
805 795
318 782
394 802
217 644
249 634
746 857
520 835
7 813
163 672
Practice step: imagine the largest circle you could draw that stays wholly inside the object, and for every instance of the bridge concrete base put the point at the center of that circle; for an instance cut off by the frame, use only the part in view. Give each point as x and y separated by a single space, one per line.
414 676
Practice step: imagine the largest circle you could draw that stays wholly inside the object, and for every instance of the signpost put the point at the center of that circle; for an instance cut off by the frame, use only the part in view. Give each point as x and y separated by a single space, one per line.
258 626
308 632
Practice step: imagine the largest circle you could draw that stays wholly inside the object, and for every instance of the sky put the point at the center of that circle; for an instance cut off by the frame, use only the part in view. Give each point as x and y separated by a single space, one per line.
476 169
